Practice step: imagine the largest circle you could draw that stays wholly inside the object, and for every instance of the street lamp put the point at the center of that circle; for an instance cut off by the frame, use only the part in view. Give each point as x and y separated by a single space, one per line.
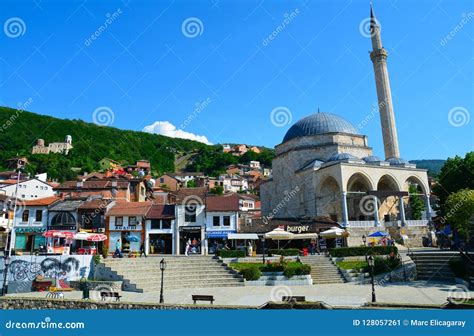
11 231
371 262
263 249
162 268
364 240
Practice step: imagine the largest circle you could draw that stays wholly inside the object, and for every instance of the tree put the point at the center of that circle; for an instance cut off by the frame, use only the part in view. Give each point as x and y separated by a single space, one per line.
191 184
460 210
416 204
456 174
217 190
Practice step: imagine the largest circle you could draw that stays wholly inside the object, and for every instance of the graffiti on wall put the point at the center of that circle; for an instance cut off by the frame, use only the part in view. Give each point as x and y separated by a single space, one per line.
22 270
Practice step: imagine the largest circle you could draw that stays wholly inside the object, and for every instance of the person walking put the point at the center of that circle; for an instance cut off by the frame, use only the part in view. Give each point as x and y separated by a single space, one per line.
118 249
142 250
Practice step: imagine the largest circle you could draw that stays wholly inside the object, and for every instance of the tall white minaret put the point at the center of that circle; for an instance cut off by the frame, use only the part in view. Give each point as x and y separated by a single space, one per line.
384 94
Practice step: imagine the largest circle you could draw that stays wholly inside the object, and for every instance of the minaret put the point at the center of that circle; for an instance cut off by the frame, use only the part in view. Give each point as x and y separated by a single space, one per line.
384 94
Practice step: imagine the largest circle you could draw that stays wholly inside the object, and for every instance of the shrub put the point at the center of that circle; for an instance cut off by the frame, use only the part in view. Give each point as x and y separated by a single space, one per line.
296 268
251 273
231 253
96 259
284 252
272 267
362 251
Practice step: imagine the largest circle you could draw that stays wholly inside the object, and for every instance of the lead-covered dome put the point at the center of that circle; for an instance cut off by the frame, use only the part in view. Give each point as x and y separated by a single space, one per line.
319 123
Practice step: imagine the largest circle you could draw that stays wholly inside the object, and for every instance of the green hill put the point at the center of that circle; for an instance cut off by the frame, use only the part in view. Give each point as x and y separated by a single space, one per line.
433 166
19 131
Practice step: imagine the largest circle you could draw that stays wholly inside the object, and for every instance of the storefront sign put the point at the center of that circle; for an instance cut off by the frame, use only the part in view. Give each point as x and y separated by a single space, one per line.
218 234
297 228
30 230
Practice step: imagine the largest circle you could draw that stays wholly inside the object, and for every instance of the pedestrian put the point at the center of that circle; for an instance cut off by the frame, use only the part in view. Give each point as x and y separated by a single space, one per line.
142 250
118 249
187 248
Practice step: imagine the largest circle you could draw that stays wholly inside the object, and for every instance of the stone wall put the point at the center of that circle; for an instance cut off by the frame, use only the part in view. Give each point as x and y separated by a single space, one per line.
36 303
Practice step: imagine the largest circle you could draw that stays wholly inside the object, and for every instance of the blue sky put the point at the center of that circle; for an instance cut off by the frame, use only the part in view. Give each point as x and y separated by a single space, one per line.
223 80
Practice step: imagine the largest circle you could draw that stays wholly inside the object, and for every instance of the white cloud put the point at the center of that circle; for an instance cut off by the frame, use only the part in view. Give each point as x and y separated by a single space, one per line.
168 129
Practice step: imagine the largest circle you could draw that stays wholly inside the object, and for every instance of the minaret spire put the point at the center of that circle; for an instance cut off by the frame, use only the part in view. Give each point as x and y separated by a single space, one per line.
384 93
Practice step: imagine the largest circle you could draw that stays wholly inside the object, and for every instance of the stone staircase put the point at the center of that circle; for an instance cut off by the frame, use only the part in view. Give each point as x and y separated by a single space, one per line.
323 271
144 274
434 265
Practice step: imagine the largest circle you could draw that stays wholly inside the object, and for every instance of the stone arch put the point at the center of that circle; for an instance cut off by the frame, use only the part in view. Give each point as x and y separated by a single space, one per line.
389 206
329 198
416 181
357 187
359 182
388 183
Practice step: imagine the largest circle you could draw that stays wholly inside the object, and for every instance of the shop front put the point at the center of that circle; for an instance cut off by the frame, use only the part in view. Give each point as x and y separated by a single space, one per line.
191 237
29 239
217 239
159 229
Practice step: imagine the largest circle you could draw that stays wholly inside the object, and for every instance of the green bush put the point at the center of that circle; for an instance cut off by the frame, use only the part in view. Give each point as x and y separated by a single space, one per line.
251 273
284 252
96 259
296 268
362 251
272 267
231 254
458 267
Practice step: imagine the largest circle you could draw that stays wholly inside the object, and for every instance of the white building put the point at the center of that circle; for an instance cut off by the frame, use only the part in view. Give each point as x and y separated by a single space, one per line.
160 229
222 216
28 189
254 165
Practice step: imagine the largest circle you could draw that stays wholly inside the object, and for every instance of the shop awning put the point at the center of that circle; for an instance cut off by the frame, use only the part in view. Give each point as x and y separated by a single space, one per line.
305 236
218 234
243 236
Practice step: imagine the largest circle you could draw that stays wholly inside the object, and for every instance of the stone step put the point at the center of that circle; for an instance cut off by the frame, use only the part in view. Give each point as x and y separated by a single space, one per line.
156 288
143 279
149 269
144 282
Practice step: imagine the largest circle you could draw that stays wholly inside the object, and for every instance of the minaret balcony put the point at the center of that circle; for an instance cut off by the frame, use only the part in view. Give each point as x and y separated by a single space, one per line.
378 54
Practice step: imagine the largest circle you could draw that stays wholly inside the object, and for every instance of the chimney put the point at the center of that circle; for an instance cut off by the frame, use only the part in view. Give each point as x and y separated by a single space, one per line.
80 184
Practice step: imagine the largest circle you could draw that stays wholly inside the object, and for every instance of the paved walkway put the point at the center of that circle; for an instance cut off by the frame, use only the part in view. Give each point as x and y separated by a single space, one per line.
418 292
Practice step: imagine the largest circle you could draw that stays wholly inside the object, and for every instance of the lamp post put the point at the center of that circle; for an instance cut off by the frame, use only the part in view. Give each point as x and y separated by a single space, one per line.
371 262
364 240
263 249
162 268
11 232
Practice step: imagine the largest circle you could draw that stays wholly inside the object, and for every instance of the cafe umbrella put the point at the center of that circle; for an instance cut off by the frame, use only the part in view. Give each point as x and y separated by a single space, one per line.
279 234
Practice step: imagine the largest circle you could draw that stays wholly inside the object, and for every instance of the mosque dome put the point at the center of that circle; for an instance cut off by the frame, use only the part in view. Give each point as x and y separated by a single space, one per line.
319 123
397 161
372 159
342 157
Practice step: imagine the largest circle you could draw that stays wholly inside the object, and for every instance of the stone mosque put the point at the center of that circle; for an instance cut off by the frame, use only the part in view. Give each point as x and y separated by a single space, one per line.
325 167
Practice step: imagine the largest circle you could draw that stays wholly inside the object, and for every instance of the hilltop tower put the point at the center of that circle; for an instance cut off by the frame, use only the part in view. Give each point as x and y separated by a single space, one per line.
384 94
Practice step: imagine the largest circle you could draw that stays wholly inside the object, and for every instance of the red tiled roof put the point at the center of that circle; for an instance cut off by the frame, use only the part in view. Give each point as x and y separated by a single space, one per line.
222 203
195 195
93 184
130 208
94 204
42 201
158 211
